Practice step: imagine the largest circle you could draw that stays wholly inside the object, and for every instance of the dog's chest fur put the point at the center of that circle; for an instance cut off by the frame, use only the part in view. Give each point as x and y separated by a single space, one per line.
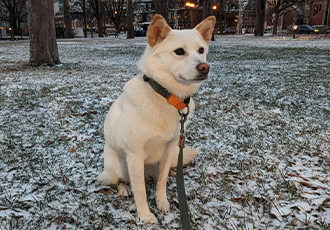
141 118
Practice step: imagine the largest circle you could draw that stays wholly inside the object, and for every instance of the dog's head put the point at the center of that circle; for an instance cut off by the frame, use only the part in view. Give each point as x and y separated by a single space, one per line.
181 54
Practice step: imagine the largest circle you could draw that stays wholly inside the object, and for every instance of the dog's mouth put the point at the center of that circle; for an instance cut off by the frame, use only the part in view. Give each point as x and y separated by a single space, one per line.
201 77
197 79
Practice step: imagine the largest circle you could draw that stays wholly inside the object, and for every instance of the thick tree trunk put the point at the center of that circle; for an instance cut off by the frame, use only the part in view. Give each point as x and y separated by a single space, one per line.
130 29
43 46
260 17
67 20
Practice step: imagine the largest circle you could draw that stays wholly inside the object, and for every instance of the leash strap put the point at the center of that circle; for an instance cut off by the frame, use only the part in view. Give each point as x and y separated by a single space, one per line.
183 206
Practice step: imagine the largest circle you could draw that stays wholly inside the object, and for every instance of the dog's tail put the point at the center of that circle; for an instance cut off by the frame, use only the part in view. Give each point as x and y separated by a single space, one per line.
188 155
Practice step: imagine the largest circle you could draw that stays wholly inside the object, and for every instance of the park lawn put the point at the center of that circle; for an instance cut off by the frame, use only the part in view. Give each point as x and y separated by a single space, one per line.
262 124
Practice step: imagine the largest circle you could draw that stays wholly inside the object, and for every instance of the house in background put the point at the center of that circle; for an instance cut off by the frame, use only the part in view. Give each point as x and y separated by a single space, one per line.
312 12
319 12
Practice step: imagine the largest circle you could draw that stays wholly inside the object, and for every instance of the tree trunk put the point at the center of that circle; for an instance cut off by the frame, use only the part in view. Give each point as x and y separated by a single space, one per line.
159 8
326 15
207 8
220 16
84 15
260 17
277 14
130 29
100 26
67 20
12 22
43 46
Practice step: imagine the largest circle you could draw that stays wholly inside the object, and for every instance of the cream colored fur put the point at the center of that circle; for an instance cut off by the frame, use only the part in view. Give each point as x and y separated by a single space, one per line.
142 129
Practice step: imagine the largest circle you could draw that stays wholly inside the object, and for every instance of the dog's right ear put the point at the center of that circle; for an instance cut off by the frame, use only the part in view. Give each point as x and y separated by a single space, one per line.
157 30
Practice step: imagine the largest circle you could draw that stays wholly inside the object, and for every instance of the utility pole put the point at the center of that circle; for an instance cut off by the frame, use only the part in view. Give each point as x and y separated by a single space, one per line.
240 18
176 21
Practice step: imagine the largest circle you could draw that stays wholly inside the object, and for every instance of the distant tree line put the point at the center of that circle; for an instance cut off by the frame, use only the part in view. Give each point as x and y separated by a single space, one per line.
16 12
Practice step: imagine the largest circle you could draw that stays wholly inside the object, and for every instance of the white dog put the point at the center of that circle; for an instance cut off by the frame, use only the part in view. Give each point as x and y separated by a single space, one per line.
142 128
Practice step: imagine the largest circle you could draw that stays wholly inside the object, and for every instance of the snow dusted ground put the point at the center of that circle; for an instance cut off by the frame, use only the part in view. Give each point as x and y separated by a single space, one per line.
262 124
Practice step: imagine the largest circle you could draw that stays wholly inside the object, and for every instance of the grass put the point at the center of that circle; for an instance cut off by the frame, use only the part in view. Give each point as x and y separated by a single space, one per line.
262 124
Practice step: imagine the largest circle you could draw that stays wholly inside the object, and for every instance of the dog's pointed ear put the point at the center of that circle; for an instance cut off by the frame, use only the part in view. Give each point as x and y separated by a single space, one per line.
157 30
206 27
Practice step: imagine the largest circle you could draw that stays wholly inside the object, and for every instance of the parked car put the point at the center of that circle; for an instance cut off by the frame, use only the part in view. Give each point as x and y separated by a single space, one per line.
229 31
303 29
320 29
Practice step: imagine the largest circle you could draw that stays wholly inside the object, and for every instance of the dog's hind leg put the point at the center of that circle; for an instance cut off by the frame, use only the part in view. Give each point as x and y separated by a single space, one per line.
115 172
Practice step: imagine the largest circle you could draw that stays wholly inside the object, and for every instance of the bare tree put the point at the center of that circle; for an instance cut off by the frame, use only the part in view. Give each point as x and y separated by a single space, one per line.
43 46
116 11
260 17
224 7
16 11
130 29
82 4
96 8
284 6
68 33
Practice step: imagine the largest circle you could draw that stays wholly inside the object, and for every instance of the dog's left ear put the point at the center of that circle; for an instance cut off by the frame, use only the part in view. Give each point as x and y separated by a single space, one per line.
157 30
205 28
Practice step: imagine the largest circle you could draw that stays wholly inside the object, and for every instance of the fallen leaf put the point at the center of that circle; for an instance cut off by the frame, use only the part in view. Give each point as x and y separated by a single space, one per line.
76 191
242 199
294 221
104 191
296 175
50 142
73 149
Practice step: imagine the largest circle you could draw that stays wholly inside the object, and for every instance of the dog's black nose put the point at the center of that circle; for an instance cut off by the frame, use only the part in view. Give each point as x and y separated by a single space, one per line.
203 68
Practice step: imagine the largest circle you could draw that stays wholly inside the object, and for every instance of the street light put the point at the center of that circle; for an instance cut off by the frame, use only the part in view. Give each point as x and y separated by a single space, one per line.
294 28
190 4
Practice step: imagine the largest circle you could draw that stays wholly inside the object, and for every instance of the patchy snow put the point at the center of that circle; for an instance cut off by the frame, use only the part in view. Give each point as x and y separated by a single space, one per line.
262 125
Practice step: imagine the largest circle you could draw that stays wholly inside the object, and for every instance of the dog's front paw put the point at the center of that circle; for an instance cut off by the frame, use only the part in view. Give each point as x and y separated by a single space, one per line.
163 206
149 219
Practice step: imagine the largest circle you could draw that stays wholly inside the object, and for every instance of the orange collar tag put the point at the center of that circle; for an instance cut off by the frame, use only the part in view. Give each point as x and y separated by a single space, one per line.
176 102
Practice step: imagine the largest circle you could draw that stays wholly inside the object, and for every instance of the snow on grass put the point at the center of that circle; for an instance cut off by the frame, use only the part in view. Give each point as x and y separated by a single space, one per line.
262 124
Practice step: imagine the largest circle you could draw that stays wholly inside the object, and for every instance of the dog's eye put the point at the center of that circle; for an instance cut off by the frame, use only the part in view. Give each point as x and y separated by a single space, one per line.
179 51
201 50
